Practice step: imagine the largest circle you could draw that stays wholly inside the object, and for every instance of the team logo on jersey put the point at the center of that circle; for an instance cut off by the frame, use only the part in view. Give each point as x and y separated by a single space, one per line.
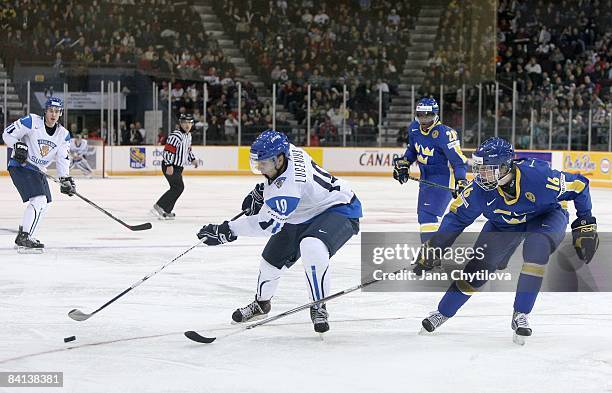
279 182
434 134
45 146
424 150
138 157
424 153
530 196
515 221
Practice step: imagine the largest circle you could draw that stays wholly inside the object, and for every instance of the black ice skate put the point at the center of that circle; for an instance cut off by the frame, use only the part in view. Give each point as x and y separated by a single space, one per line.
318 315
252 312
520 325
26 245
433 321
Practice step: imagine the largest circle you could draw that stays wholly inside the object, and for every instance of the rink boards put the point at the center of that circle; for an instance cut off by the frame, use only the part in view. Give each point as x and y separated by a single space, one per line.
364 161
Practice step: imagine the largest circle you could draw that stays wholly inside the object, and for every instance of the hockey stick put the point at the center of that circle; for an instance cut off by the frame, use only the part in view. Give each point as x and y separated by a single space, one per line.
79 315
429 183
195 336
140 227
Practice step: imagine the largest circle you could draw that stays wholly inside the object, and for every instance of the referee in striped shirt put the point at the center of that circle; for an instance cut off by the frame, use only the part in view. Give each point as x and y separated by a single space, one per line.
177 153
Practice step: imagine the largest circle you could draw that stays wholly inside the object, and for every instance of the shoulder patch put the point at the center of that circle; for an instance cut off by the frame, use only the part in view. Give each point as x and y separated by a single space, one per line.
279 182
435 134
452 144
26 121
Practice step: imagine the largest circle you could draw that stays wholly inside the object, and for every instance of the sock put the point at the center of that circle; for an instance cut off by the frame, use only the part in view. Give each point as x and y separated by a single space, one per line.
33 214
267 281
315 258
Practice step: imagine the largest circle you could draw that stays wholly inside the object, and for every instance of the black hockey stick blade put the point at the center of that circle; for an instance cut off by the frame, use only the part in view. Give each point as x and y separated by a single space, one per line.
78 315
140 227
195 336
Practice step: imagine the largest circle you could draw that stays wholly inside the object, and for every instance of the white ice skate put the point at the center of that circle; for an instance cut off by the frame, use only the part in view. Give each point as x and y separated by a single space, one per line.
432 322
158 212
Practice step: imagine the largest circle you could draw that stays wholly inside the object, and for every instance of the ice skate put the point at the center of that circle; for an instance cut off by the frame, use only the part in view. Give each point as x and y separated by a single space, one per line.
319 315
252 312
520 325
161 214
26 245
432 322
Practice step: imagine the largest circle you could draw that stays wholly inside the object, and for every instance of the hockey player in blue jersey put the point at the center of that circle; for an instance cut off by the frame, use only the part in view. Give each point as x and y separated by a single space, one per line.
524 201
34 143
308 214
437 150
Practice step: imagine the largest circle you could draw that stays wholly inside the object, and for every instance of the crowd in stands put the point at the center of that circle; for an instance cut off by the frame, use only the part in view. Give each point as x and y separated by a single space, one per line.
325 45
221 120
559 54
157 36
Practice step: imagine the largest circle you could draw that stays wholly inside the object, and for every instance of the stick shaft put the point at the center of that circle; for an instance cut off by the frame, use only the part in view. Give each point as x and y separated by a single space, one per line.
314 303
145 278
139 227
429 183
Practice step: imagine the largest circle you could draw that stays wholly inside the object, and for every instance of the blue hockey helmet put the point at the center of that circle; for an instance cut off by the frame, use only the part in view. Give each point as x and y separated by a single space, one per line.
427 111
266 147
55 102
491 162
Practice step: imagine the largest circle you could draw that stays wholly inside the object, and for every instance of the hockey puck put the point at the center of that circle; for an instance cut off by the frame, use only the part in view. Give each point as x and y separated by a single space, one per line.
68 339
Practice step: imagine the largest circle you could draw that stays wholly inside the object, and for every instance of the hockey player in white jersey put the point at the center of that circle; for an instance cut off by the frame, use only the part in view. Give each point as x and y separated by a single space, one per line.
307 212
78 155
34 143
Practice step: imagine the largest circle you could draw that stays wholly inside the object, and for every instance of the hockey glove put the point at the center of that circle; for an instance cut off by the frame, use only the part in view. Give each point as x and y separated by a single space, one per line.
401 169
427 260
67 185
460 185
20 153
254 201
584 235
216 234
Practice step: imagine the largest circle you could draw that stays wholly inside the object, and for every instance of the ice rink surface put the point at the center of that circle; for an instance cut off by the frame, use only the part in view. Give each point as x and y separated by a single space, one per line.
137 344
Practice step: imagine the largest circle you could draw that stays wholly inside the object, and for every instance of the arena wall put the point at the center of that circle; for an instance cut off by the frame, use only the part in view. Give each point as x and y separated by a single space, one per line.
365 161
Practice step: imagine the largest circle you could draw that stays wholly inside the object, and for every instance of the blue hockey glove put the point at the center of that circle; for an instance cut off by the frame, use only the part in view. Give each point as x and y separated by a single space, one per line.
460 185
20 152
67 185
584 235
253 202
401 169
216 234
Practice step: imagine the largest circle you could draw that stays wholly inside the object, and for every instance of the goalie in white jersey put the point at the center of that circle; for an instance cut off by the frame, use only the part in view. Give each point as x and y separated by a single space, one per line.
308 212
34 143
78 154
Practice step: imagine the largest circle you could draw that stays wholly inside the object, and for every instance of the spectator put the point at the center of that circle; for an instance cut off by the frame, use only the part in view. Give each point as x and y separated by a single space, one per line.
135 135
231 128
